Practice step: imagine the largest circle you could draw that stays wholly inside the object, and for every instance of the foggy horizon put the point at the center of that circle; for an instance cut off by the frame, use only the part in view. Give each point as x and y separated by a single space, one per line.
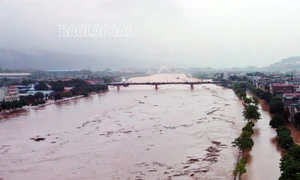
173 33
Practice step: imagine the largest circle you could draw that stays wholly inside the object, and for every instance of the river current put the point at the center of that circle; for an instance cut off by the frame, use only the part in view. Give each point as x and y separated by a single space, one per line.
136 133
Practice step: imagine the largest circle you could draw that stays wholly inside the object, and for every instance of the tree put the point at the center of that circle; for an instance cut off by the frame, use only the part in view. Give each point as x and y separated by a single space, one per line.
255 100
57 87
244 142
297 119
277 121
57 96
283 131
294 152
108 79
290 164
41 86
242 94
233 77
266 96
30 98
27 81
286 142
224 82
6 105
249 127
284 137
247 100
240 168
274 98
67 94
290 168
251 113
276 107
39 96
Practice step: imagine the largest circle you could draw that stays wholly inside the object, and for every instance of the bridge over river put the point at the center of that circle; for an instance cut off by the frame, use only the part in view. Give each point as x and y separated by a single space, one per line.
156 84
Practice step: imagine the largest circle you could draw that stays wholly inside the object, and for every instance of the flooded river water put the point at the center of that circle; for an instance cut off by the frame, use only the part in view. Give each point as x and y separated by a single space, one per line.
136 133
264 159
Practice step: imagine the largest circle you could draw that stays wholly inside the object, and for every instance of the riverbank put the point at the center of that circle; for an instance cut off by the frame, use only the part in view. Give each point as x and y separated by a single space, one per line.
49 102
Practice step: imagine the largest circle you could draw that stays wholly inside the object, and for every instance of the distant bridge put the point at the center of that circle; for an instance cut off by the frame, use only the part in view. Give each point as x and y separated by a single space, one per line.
156 84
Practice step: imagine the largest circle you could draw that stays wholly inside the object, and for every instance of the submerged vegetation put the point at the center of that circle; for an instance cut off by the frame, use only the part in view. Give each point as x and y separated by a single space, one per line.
244 142
290 163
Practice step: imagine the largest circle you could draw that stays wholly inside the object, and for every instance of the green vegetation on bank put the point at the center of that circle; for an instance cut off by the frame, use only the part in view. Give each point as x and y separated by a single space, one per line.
290 163
244 142
277 121
34 100
78 87
204 75
12 105
240 168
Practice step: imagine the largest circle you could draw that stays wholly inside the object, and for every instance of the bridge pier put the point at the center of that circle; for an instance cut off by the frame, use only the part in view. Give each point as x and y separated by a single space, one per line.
192 86
156 86
118 88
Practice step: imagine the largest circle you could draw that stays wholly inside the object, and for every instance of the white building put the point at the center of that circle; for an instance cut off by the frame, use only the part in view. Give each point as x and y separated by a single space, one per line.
11 93
14 75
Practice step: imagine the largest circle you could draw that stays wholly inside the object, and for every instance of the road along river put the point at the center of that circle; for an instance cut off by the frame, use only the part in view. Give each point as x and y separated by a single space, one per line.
264 159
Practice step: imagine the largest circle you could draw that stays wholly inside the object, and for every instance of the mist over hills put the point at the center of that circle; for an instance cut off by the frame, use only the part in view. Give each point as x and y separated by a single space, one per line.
45 60
288 64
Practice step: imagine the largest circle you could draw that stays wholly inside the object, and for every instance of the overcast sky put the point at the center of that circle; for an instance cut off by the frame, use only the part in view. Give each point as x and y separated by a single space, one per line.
201 33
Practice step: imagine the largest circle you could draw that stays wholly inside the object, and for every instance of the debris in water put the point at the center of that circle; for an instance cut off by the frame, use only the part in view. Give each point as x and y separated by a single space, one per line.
37 139
192 161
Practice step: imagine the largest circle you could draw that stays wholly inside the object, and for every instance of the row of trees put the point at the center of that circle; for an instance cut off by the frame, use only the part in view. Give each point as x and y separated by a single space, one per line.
289 163
11 105
80 87
244 142
264 95
34 100
297 119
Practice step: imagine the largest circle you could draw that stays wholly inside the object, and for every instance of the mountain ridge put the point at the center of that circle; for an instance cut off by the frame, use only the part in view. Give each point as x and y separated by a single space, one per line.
44 60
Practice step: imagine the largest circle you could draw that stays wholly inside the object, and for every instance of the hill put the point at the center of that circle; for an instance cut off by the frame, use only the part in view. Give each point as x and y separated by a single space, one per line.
43 60
289 64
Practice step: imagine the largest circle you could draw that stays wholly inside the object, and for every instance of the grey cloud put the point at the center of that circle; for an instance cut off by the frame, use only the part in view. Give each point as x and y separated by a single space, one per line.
174 32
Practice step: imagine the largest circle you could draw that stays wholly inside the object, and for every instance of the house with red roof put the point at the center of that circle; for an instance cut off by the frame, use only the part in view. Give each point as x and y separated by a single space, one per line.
279 89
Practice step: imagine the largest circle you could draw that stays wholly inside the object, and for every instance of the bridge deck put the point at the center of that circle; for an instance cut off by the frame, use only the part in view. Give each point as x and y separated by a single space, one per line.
159 83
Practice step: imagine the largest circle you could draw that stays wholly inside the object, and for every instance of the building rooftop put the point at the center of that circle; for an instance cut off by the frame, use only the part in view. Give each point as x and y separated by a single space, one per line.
283 85
56 70
15 74
291 94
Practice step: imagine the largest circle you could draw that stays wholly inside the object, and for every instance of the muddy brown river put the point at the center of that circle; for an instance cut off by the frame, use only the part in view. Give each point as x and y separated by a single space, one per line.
137 133
264 159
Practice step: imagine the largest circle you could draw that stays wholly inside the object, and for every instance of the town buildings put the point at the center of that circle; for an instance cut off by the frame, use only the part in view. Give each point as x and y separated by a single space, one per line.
279 89
10 93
